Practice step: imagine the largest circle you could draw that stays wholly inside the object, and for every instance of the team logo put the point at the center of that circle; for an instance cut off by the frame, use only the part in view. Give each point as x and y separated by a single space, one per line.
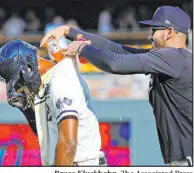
167 21
65 100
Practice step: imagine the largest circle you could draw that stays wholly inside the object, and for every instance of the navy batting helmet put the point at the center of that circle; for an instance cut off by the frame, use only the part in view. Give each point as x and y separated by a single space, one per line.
19 68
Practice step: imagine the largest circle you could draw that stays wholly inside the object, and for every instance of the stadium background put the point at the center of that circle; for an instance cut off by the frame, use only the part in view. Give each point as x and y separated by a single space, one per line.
127 123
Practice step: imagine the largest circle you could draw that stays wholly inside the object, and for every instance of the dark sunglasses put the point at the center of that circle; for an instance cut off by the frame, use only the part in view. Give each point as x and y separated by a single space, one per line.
153 29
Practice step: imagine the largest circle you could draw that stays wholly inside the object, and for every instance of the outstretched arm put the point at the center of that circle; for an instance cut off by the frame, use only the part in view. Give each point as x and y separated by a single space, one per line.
103 43
154 62
96 41
112 62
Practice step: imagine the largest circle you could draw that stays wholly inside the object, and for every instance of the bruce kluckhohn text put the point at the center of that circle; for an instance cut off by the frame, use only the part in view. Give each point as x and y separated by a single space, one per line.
121 171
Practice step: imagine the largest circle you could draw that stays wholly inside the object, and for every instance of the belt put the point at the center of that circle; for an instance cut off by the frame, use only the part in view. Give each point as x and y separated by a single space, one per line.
102 162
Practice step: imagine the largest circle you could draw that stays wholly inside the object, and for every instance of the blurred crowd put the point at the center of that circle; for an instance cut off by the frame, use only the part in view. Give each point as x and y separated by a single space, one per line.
29 22
109 19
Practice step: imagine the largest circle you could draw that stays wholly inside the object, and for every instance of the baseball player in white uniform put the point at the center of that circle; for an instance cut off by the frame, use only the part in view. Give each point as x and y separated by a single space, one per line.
65 122
64 93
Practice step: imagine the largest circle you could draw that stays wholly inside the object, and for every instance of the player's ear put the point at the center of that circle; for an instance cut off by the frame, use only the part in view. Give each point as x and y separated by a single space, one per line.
170 33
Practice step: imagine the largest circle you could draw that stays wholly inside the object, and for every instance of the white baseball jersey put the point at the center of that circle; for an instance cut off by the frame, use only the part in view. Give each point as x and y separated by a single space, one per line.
63 92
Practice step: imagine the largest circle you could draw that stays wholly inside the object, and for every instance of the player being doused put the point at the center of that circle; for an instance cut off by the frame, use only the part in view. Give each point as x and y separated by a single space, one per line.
57 105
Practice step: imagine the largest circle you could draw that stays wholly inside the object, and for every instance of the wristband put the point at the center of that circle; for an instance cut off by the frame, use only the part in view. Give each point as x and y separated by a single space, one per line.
78 49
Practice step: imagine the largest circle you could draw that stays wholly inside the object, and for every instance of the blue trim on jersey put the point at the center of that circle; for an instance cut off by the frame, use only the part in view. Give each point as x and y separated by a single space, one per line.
66 112
86 92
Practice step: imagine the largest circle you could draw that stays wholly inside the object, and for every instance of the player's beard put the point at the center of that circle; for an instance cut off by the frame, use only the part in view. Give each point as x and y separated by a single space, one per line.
158 42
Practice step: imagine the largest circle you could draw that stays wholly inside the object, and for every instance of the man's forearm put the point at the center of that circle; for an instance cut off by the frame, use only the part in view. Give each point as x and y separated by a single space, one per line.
64 154
103 43
112 62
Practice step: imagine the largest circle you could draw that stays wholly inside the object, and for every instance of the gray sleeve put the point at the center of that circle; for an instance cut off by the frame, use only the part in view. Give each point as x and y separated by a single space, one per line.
111 62
156 62
103 43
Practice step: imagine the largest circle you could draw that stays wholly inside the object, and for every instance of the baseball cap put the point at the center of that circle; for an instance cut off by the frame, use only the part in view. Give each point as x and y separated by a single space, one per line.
170 16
